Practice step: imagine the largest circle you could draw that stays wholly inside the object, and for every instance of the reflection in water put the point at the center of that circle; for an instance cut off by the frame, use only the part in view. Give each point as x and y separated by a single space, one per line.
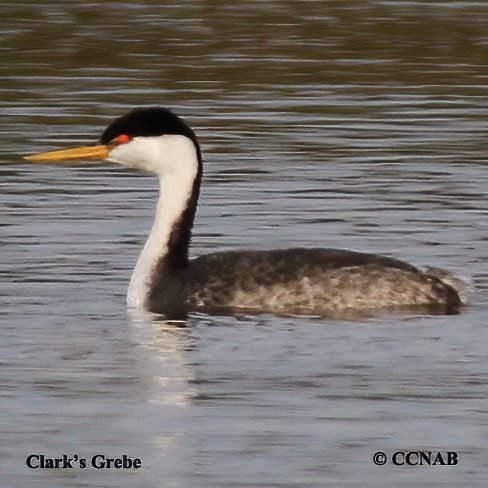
357 124
168 394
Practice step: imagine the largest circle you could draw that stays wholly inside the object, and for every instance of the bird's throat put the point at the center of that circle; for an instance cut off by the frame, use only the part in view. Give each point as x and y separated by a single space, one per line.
165 253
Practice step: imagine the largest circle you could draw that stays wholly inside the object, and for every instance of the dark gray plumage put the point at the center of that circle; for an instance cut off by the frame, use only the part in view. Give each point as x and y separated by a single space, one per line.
326 282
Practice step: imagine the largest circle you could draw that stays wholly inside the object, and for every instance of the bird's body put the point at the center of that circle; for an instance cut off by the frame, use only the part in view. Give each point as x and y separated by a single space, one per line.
319 281
286 281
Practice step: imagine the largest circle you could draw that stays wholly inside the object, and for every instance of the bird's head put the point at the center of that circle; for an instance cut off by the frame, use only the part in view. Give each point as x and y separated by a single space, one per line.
152 139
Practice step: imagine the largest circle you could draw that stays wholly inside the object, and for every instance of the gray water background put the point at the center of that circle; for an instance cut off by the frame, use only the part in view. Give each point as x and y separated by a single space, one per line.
354 124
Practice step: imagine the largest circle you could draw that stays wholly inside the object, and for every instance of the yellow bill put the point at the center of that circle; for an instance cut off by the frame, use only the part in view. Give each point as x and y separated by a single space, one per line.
88 152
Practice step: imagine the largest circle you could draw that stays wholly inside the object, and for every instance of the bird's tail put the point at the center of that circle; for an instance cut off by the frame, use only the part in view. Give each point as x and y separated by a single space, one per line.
463 285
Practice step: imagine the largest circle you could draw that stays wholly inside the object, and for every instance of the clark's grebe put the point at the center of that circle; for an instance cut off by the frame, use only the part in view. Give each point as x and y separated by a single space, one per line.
290 281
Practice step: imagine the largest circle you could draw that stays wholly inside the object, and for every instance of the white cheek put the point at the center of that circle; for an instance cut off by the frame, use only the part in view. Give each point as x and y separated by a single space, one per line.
163 154
139 153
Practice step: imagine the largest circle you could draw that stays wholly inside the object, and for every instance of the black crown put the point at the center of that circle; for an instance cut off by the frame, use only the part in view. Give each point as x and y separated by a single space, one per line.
148 121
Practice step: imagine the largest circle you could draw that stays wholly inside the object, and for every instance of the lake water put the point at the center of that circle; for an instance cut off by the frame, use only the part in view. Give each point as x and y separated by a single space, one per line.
356 124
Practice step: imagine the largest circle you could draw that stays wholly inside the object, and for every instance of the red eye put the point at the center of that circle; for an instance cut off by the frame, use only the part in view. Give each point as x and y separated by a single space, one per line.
122 139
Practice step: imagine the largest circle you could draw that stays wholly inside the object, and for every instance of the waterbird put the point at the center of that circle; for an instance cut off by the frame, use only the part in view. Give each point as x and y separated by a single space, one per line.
311 281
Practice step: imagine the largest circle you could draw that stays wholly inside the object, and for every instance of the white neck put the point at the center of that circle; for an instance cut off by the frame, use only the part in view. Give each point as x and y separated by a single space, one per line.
176 177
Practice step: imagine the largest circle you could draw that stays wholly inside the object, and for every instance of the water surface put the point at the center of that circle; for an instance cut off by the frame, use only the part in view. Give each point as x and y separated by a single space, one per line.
355 124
